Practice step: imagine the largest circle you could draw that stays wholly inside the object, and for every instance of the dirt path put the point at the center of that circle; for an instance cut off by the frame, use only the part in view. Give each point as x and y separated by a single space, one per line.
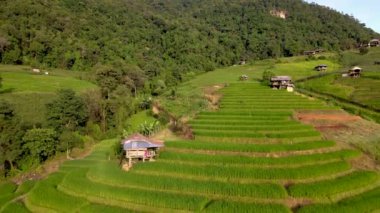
51 166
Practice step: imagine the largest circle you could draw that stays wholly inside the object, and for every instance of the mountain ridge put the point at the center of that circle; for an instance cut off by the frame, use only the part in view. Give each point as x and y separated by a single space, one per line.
168 37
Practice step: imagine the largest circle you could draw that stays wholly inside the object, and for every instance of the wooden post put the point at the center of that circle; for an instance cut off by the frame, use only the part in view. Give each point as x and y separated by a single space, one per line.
129 162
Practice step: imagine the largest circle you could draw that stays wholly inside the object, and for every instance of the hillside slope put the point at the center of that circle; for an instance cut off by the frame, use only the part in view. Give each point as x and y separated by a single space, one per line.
165 38
253 158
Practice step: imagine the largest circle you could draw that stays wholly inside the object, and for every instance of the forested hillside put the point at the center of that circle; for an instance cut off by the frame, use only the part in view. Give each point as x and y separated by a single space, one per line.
167 38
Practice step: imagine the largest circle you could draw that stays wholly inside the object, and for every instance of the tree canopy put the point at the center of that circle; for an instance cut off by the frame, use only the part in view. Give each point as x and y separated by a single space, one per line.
166 38
67 111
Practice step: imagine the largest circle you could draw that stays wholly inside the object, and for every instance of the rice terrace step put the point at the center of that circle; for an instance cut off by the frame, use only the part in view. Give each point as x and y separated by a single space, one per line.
220 170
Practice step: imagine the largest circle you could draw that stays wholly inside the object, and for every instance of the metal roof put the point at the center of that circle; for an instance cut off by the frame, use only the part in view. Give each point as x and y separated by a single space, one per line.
356 68
281 78
139 145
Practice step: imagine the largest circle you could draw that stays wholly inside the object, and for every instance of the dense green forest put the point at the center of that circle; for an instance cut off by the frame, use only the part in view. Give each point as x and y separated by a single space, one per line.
135 49
165 38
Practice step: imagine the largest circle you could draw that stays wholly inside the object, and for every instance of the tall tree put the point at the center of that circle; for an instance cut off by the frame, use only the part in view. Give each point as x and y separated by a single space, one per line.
40 144
11 134
67 111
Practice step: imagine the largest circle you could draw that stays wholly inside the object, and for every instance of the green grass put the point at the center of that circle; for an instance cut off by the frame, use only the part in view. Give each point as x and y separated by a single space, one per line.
238 160
216 175
245 134
226 146
29 107
228 173
302 69
134 122
19 80
15 207
362 90
46 195
7 188
10 191
223 206
365 202
29 93
77 183
329 188
110 173
251 128
101 208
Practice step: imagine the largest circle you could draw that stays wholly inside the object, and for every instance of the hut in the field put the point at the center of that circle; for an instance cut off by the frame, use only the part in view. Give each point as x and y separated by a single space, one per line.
374 43
313 52
35 70
321 67
243 78
309 52
140 148
242 62
355 72
281 82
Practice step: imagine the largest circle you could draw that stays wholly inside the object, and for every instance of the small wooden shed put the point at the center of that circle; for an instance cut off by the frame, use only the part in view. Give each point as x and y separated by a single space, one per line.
321 67
139 147
374 43
309 52
355 72
281 82
243 77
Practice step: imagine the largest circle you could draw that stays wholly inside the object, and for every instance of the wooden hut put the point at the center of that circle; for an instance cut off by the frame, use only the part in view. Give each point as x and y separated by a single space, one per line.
354 72
374 43
138 147
309 52
321 67
243 77
281 82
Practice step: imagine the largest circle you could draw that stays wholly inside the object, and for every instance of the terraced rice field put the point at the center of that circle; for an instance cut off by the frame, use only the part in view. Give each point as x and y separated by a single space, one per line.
248 156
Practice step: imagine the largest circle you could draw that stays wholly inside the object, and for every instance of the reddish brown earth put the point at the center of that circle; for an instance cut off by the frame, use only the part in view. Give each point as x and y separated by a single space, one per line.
349 131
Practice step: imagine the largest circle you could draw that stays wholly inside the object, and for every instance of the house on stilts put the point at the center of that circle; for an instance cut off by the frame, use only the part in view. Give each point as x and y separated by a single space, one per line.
140 148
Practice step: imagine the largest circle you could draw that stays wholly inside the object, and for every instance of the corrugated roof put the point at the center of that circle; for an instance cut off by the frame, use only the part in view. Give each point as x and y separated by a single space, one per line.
134 144
137 140
140 137
281 78
356 68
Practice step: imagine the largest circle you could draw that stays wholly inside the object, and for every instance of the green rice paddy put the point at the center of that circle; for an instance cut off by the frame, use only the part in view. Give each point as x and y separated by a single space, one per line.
248 156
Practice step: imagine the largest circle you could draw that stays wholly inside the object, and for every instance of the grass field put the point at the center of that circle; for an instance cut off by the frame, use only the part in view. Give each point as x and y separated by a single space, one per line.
190 95
249 155
30 92
362 90
220 172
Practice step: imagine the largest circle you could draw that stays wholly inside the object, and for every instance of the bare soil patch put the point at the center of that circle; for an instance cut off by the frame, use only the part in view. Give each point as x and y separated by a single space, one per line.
327 117
349 131
212 96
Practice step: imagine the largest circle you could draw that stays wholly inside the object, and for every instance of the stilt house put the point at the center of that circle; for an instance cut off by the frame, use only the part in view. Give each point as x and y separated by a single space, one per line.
321 67
243 78
374 43
355 72
281 82
138 147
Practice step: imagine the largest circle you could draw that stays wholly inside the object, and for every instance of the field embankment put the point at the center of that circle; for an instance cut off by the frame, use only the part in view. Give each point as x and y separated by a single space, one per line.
234 164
